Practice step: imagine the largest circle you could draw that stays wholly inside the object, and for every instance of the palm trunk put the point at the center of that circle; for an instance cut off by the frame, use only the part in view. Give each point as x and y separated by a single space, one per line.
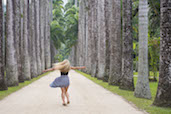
3 85
89 36
164 87
11 60
25 55
17 36
142 89
94 40
47 37
107 17
115 42
20 76
76 3
126 82
37 38
101 40
42 17
33 44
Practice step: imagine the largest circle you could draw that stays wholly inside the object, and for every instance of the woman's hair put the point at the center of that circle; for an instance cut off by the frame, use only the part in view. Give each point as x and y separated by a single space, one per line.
63 66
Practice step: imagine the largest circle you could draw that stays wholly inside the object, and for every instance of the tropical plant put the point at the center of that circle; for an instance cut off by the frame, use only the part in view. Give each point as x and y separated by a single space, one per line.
154 53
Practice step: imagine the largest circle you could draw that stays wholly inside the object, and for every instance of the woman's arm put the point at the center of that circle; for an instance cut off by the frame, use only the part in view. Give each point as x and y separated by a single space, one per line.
74 68
51 69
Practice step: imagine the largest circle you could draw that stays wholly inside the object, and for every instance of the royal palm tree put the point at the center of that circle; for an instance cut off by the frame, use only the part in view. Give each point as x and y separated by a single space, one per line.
142 89
164 87
126 81
37 38
47 36
42 24
25 55
11 60
3 85
115 42
33 41
101 39
17 16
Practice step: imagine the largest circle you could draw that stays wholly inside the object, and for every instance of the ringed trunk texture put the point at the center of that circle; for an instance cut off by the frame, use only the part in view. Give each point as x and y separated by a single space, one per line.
42 24
163 98
37 34
25 55
126 81
142 89
115 42
33 44
17 17
11 60
94 40
3 85
47 37
101 40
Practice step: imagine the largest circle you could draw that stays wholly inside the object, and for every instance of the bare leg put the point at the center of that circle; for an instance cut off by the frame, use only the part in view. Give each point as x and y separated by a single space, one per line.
67 95
63 95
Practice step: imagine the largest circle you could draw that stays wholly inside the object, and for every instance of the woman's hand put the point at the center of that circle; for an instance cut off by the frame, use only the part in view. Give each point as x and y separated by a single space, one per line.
51 69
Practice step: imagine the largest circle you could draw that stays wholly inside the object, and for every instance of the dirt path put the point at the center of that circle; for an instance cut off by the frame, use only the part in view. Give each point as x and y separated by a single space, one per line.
86 98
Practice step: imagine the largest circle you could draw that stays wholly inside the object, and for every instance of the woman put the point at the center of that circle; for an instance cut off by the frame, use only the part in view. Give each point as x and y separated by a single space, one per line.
63 80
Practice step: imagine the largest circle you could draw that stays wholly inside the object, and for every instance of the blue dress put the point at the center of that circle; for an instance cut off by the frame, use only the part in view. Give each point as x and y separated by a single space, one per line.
62 81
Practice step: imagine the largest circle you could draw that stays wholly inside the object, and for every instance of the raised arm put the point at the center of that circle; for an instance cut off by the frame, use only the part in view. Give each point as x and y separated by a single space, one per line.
74 68
50 69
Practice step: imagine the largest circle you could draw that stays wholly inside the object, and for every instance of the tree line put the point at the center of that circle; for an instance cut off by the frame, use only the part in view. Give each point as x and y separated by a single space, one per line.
105 45
25 46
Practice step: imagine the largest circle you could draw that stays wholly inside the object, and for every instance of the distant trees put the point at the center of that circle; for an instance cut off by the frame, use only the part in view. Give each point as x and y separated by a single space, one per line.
25 41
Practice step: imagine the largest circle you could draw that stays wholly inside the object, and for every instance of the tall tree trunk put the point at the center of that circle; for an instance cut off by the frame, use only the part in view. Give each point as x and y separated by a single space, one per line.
11 60
25 55
127 48
101 40
42 24
115 42
37 38
20 76
17 17
88 36
164 87
3 85
76 2
33 44
47 37
80 32
94 40
142 89
107 59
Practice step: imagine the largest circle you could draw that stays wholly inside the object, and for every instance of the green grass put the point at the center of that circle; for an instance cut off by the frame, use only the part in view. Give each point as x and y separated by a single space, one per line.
151 73
142 104
10 90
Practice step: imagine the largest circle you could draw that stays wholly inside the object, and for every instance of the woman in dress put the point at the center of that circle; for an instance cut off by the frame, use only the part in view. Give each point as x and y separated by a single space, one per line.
63 80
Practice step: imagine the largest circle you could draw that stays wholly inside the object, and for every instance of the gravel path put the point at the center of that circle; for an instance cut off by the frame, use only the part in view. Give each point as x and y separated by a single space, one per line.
86 98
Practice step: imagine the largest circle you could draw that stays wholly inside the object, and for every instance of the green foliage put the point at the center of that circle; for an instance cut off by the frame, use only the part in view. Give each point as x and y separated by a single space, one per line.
71 32
154 53
57 25
64 27
154 18
143 104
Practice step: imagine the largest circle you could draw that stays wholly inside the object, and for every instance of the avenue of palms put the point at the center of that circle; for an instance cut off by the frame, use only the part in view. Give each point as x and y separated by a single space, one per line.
114 39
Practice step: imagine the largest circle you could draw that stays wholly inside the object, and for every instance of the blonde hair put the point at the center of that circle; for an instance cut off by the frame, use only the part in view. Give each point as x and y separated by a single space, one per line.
63 66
